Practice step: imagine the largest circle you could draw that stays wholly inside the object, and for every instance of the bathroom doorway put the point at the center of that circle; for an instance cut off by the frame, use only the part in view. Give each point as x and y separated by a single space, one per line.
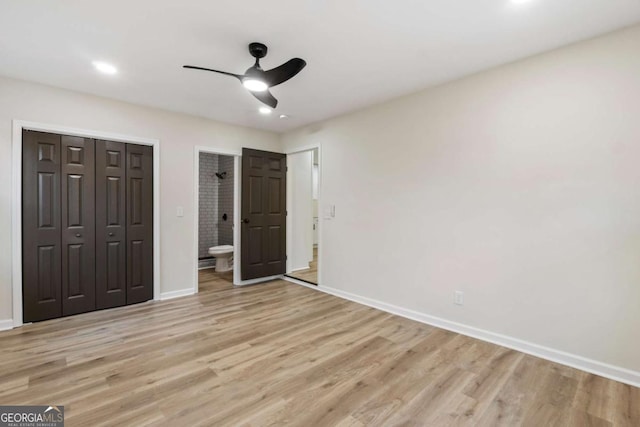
303 243
216 213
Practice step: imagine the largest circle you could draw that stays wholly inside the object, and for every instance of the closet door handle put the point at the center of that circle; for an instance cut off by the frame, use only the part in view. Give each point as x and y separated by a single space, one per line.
110 234
246 220
78 235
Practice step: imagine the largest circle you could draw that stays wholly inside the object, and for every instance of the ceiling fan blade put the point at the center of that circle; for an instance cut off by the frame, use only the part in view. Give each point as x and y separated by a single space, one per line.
284 72
192 67
266 98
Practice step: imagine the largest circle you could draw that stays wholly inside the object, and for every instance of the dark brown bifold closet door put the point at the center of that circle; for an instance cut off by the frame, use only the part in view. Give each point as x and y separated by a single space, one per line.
111 237
87 225
58 225
41 247
139 223
77 199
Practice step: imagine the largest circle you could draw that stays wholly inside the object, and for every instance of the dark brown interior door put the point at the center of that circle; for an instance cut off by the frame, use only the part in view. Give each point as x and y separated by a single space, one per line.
263 235
41 247
139 223
111 253
78 225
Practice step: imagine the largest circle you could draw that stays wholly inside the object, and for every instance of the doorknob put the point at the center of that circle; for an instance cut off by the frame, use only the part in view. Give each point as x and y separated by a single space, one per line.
246 220
78 235
110 234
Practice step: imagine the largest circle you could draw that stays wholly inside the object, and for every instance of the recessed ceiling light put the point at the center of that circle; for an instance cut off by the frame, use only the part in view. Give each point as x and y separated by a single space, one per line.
265 110
284 116
104 67
255 85
520 1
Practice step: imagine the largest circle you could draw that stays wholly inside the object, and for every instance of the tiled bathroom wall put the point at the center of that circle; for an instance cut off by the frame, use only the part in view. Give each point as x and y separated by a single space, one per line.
225 201
216 199
208 209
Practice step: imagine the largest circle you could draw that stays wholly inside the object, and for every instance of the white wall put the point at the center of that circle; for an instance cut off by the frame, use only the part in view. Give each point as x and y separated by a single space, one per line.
301 209
519 186
178 135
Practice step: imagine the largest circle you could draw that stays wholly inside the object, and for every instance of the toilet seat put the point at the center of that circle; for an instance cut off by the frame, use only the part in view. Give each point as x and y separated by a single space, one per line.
223 249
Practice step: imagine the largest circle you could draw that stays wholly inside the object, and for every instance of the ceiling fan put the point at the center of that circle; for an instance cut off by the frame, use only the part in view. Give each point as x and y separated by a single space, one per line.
257 80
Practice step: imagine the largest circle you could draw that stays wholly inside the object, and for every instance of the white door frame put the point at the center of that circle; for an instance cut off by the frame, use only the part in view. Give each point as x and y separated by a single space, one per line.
310 147
237 155
16 199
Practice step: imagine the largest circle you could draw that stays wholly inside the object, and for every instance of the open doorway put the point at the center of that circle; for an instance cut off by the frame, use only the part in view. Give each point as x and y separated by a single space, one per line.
216 213
303 223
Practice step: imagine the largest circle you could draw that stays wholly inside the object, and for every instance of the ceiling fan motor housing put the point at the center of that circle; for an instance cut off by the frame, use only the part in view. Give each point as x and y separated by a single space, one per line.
257 50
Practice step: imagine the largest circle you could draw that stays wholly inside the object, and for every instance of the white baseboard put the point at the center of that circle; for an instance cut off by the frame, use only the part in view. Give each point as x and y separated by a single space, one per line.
6 324
602 369
176 294
300 269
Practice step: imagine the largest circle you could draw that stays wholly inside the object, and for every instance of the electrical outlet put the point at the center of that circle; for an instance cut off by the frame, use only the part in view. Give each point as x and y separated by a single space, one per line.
458 298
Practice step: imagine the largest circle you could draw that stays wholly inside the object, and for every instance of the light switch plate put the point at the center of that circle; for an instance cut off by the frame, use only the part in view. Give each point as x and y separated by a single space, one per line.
180 211
329 212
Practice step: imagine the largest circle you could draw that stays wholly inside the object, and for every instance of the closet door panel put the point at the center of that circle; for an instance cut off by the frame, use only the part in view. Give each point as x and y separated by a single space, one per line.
77 194
139 223
111 257
41 245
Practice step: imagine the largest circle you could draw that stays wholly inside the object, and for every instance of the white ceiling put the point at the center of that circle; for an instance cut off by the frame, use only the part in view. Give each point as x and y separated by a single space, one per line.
359 52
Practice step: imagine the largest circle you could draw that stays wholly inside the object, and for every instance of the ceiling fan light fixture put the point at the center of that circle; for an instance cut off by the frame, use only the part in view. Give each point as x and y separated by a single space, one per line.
265 110
255 85
105 67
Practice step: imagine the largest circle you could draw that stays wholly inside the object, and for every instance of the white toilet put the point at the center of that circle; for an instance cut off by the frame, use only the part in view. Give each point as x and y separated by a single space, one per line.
224 257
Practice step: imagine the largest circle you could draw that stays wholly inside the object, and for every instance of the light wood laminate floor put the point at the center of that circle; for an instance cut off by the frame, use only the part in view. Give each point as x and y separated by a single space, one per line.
310 274
280 353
